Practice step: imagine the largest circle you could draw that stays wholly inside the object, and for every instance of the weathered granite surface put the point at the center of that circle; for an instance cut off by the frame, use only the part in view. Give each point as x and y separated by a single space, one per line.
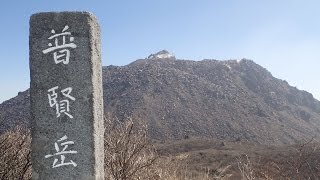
71 113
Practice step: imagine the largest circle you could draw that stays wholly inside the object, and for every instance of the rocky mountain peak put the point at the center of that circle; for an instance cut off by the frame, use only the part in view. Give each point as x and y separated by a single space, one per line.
164 54
229 100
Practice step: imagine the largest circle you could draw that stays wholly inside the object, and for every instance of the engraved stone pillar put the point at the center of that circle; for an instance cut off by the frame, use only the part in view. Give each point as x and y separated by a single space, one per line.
66 97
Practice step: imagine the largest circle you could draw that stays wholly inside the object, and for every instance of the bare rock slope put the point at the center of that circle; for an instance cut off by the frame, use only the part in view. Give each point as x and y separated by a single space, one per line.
229 100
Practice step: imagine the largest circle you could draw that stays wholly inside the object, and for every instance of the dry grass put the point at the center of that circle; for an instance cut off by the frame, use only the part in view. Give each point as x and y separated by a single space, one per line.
129 155
173 168
246 168
300 162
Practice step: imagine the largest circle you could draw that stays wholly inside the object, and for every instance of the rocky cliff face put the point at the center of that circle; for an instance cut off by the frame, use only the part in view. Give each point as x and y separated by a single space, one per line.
231 100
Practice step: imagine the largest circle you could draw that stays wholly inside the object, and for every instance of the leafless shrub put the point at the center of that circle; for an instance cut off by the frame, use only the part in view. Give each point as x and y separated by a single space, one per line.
301 162
130 156
15 155
172 168
128 153
167 168
246 168
304 162
221 173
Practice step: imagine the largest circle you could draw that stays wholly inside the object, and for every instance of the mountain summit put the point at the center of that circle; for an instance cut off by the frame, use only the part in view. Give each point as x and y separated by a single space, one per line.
164 54
229 100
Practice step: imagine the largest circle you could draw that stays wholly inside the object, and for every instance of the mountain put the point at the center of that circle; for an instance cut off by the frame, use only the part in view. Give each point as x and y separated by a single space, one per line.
230 100
15 112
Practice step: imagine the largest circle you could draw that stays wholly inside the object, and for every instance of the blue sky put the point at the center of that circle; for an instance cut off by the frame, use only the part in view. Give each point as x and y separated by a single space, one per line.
282 36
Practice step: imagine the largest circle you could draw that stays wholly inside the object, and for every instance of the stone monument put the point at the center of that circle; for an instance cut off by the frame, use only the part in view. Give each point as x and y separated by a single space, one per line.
66 97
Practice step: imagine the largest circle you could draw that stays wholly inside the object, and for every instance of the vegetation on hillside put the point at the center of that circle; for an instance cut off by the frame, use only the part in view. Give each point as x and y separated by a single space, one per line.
129 155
